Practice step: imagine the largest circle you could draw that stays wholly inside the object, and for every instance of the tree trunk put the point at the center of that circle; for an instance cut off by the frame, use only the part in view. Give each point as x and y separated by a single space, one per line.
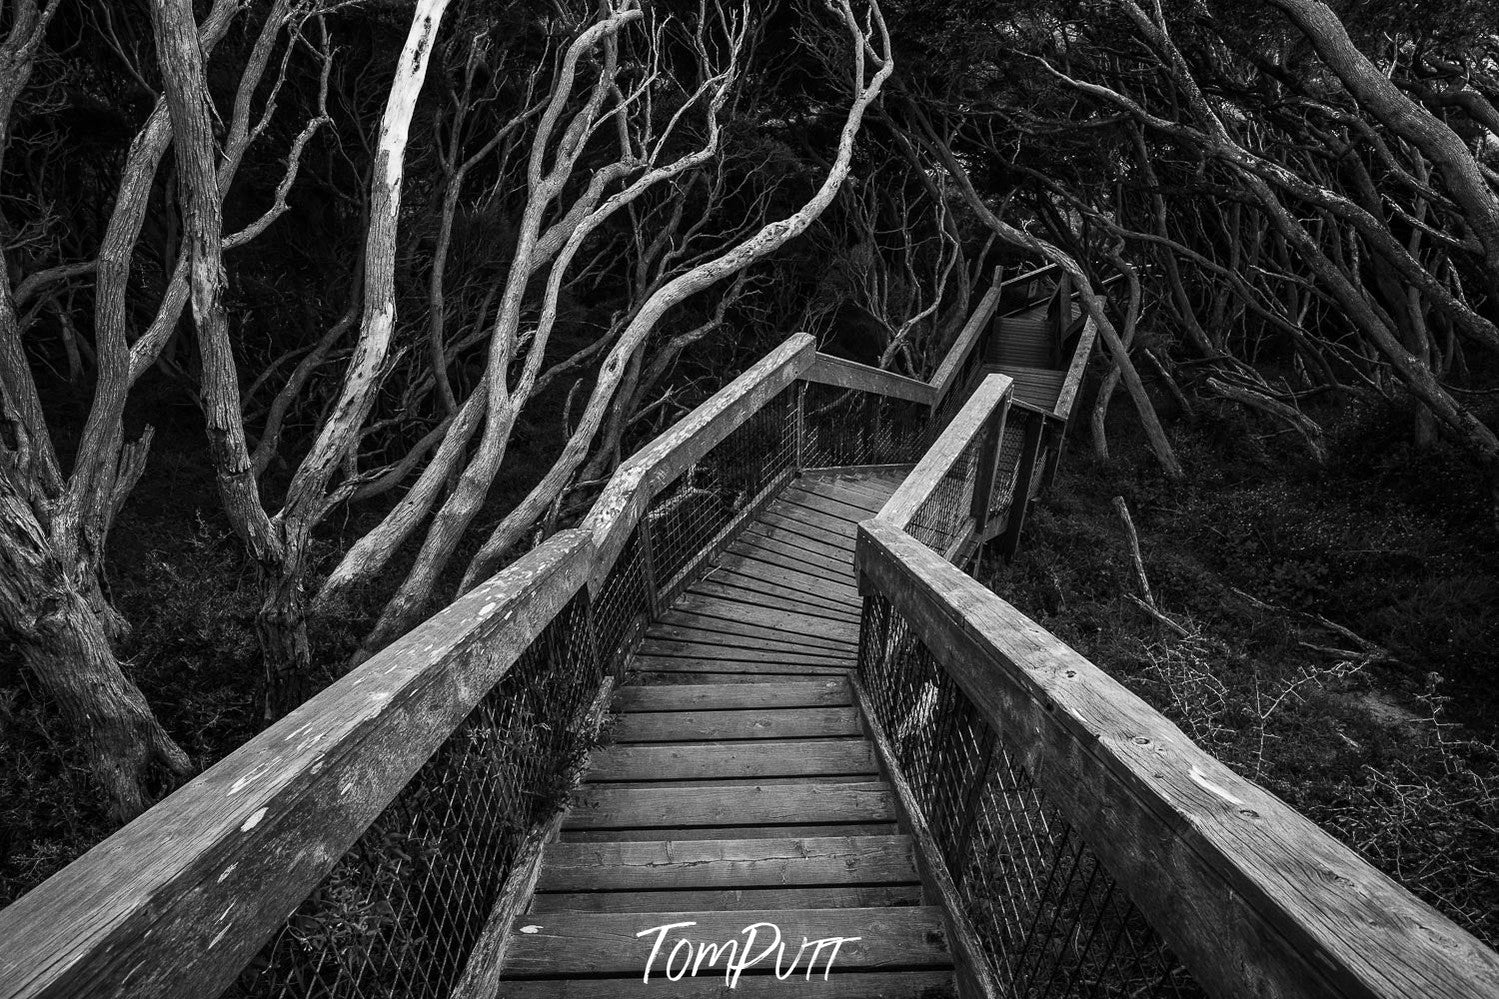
45 609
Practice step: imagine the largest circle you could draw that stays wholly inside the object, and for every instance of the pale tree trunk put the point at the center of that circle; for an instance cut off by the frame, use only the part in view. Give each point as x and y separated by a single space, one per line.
52 532
768 239
43 605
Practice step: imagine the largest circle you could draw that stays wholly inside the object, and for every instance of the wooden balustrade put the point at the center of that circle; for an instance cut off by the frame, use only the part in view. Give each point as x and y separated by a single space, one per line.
1253 897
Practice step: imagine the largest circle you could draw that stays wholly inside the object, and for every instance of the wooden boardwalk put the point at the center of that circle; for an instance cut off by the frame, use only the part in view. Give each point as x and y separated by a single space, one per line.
738 786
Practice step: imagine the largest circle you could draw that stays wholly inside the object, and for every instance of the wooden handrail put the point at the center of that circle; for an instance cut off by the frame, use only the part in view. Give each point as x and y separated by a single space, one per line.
1252 896
1079 364
992 395
943 379
176 903
651 469
843 373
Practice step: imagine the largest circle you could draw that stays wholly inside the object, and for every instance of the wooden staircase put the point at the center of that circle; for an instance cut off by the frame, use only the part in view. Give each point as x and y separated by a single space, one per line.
739 786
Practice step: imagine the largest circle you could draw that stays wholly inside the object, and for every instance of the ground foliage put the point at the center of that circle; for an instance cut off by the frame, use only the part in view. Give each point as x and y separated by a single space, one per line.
1396 757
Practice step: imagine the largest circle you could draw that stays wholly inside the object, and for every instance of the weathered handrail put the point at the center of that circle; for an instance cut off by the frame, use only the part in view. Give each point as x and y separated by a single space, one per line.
178 901
1251 896
642 476
974 435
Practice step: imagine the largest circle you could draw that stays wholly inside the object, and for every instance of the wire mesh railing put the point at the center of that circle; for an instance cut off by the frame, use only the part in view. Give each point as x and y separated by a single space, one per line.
1049 919
843 426
400 912
693 517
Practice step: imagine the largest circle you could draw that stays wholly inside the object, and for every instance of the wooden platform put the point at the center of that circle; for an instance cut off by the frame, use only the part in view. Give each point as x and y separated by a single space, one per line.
737 787
1026 349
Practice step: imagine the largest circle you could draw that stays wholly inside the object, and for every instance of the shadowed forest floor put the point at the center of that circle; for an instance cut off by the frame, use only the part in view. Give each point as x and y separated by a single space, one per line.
1394 755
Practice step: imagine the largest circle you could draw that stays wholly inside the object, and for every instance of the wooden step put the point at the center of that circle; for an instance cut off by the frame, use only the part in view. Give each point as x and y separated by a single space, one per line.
737 863
739 723
849 985
690 626
759 588
715 760
577 944
728 899
721 696
739 605
749 573
670 806
745 650
839 567
785 831
720 661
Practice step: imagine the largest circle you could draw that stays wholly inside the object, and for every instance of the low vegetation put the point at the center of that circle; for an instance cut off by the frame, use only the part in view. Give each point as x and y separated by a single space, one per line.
1334 629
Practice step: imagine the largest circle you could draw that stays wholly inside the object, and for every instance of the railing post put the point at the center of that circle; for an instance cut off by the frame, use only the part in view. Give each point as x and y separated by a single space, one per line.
1055 434
1020 501
988 457
801 425
1062 318
648 568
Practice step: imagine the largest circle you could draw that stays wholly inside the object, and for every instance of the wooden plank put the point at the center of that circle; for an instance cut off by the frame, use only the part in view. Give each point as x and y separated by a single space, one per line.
181 899
946 375
837 525
865 500
826 580
967 425
734 863
759 546
791 531
598 943
645 473
1251 895
1036 386
1075 369
856 479
730 899
599 807
741 605
843 373
734 584
686 626
768 667
721 696
743 723
838 591
710 760
769 622
707 645
837 506
583 835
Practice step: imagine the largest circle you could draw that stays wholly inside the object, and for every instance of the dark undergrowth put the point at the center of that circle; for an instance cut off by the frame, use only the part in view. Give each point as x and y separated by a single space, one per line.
1390 745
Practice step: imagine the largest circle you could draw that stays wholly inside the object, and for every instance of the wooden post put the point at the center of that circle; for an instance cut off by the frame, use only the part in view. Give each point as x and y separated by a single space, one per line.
801 425
1021 499
988 458
1062 317
1056 432
648 566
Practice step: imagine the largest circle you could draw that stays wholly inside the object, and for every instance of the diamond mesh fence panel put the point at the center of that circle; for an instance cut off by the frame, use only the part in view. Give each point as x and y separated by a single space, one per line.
691 520
623 604
1049 917
852 427
939 521
399 913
